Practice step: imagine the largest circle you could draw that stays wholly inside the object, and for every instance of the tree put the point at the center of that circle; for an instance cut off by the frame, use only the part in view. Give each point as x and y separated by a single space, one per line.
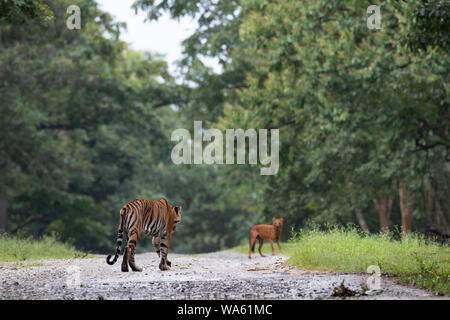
359 111
25 10
82 116
353 101
216 37
429 27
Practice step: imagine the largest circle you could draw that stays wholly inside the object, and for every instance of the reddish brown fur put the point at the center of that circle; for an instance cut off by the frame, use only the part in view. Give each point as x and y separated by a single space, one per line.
263 232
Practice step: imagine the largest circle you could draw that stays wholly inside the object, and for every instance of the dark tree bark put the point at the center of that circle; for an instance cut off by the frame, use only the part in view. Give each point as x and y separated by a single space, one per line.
405 208
3 211
437 226
384 207
361 220
358 212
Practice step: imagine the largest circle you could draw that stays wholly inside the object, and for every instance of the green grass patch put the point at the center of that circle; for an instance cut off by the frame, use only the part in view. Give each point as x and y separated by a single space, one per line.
287 248
413 259
16 249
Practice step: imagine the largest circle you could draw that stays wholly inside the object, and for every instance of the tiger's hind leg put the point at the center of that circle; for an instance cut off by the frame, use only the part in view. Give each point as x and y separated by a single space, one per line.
128 256
133 264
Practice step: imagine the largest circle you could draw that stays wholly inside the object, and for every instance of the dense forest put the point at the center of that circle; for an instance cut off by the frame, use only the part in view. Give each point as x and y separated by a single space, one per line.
363 118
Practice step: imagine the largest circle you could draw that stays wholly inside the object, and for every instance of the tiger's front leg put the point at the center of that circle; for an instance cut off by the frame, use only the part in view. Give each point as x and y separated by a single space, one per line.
164 245
156 241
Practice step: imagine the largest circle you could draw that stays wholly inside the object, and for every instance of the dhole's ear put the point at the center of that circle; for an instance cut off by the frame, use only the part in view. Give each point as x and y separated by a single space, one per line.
282 219
273 218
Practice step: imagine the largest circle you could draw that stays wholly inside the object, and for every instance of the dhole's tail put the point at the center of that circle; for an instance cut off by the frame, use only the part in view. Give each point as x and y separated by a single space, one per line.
119 239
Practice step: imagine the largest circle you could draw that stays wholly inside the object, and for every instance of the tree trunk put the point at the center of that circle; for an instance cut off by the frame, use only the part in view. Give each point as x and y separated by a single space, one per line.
361 220
405 209
3 210
437 226
431 207
384 207
359 215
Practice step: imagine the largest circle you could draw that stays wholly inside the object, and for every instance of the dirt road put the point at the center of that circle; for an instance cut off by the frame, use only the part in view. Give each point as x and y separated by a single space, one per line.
219 275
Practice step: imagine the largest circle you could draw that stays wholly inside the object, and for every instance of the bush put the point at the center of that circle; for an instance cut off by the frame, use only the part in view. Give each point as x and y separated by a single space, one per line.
48 247
413 259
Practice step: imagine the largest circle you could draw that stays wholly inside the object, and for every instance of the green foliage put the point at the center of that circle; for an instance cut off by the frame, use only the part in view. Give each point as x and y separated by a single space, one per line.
85 122
25 10
351 104
216 218
358 110
430 26
216 36
413 259
288 248
48 247
84 125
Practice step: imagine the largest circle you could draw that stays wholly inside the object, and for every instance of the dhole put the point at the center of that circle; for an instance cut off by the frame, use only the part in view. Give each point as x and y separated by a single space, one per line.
263 232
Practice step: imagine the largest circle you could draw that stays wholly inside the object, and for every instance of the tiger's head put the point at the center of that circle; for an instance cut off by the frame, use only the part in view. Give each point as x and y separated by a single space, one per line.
174 212
177 219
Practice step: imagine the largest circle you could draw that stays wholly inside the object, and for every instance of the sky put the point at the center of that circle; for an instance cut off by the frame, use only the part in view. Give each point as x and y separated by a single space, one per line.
163 36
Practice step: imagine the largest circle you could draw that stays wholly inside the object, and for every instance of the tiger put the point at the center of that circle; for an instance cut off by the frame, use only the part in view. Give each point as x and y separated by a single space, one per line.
263 231
157 219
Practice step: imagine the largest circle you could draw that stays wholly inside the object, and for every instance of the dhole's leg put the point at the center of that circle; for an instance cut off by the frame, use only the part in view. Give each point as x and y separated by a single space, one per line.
279 246
252 244
261 242
271 245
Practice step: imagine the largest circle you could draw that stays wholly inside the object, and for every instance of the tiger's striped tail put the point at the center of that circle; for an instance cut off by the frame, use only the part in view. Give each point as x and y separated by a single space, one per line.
119 239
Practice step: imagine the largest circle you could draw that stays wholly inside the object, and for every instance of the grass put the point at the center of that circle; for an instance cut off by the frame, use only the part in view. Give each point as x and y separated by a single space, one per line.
413 260
17 249
288 248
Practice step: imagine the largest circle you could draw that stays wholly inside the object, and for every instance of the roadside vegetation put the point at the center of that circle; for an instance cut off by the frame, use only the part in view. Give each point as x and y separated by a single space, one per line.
48 247
412 259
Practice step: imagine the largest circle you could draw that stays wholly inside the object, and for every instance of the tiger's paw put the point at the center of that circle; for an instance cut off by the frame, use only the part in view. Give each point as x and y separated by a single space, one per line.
124 268
169 263
163 267
136 268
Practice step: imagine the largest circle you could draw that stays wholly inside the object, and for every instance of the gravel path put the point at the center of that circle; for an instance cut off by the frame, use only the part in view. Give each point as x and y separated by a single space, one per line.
218 275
